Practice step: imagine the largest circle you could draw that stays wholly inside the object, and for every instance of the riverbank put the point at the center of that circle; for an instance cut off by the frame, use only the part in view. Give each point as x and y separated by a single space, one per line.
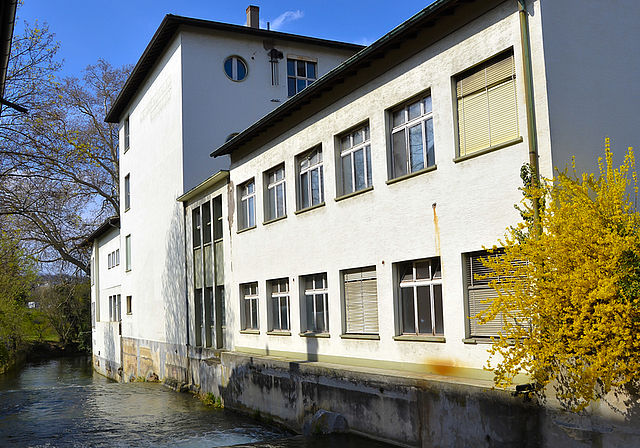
38 350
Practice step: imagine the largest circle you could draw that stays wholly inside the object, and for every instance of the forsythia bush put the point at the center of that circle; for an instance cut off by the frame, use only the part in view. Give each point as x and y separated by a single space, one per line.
573 306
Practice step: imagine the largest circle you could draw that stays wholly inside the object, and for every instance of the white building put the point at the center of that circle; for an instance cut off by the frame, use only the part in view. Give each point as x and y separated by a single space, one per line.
197 84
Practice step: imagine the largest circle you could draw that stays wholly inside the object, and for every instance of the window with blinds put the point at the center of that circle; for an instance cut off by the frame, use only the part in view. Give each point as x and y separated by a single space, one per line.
361 300
487 104
480 295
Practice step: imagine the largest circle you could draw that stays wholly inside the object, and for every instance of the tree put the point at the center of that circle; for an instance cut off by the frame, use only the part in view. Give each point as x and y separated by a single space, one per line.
571 294
59 171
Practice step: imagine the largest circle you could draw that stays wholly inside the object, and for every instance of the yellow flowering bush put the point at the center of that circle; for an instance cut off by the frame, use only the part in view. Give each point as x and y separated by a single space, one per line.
573 307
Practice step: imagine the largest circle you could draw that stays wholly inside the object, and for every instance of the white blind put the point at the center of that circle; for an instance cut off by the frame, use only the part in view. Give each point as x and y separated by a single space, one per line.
361 301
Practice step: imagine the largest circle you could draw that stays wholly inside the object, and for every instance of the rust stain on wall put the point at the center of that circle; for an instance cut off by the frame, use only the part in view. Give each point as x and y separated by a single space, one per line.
436 227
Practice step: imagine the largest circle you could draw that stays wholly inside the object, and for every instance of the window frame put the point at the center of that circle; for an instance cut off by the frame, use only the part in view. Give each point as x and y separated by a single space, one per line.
350 152
310 297
127 192
435 311
250 302
247 205
401 159
307 182
295 76
272 211
276 299
235 60
127 245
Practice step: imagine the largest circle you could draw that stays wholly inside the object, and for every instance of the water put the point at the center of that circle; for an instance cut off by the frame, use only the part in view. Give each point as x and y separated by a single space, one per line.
63 403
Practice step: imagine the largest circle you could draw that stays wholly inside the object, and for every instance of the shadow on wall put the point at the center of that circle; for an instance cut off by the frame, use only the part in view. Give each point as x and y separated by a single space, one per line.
111 350
174 298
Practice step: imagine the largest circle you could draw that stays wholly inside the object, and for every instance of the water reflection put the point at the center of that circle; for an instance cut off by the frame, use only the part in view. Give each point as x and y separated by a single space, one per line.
63 403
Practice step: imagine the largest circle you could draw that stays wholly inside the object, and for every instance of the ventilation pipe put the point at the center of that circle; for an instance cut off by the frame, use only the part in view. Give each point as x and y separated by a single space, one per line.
253 17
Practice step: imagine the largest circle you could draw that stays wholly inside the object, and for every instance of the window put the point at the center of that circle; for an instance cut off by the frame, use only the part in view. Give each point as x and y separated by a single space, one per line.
487 105
361 300
235 68
480 295
126 134
127 241
249 294
412 144
247 205
421 297
280 305
109 265
113 259
300 74
117 257
355 160
316 302
276 191
129 307
114 308
311 181
127 192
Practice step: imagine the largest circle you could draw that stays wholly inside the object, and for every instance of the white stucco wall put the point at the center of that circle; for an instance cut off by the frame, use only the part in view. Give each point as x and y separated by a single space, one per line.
395 222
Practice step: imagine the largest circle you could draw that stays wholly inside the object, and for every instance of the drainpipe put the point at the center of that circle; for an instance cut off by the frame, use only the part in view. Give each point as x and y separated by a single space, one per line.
531 115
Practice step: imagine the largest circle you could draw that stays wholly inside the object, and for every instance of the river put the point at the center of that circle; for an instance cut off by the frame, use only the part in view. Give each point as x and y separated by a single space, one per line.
64 403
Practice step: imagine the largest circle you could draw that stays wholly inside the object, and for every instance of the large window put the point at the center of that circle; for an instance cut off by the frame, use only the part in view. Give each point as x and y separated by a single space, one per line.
316 302
412 145
127 192
249 293
276 192
311 180
487 104
361 300
355 160
247 205
235 68
280 309
299 75
114 308
420 295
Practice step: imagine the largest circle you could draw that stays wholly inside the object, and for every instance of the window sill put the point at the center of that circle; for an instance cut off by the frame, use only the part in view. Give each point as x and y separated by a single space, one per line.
414 174
487 340
369 337
419 338
246 230
311 334
488 150
355 193
127 209
249 331
279 333
313 207
280 218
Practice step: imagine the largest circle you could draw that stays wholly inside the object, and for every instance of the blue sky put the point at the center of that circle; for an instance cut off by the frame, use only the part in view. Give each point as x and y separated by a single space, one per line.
118 30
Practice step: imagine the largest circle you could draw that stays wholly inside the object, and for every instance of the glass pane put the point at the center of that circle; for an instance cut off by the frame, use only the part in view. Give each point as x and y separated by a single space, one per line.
195 217
311 323
366 133
315 187
345 142
369 174
398 118
321 325
436 270
242 70
304 190
217 217
301 69
399 154
280 191
407 273
415 147
308 283
431 156
250 188
228 67
254 313
422 270
206 219
284 313
414 111
311 70
280 174
291 67
359 169
300 85
408 312
424 310
247 314
437 304
321 282
314 158
251 213
427 105
346 175
291 86
357 136
275 312
271 209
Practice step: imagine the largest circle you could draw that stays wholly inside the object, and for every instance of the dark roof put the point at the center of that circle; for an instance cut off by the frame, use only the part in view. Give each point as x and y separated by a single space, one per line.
7 20
375 52
108 224
165 33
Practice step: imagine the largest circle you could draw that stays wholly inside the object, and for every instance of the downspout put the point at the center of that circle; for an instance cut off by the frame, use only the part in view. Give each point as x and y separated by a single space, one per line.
531 115
186 287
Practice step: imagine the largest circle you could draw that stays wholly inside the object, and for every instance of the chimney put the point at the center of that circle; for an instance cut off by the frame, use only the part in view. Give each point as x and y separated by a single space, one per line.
253 17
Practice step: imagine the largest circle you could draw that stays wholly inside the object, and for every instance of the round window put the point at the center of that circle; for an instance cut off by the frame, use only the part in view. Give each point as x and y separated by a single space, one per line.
235 68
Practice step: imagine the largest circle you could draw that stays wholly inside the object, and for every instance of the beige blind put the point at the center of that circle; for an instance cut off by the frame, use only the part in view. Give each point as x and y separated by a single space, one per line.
487 105
197 267
218 260
361 301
